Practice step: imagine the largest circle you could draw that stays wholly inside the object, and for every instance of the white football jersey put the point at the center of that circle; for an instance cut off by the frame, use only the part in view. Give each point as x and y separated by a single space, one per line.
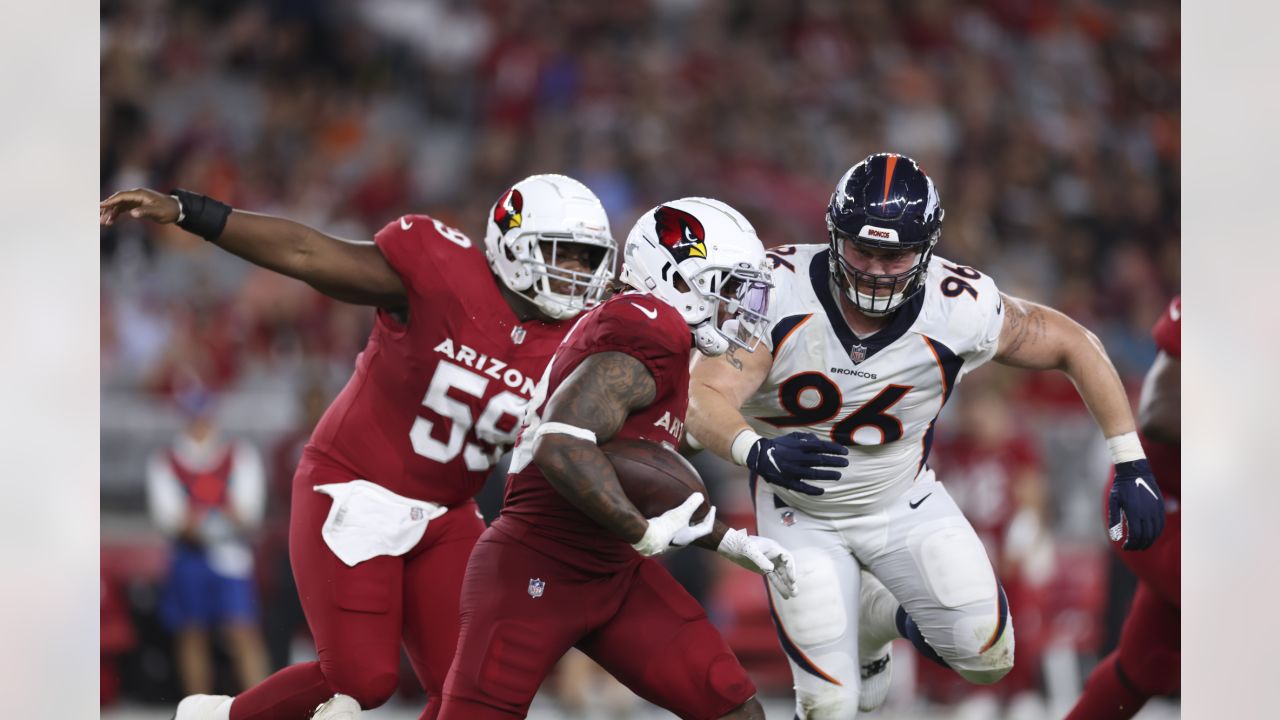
878 395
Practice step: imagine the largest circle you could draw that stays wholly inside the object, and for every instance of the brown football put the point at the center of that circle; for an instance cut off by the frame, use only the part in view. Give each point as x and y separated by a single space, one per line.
654 478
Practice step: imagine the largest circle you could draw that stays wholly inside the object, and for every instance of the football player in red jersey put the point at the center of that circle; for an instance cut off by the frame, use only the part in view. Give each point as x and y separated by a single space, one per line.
1148 660
568 563
383 519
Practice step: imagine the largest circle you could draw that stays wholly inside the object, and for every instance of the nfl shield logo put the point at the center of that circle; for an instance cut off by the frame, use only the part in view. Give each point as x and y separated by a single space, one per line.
517 337
788 518
858 353
536 586
415 514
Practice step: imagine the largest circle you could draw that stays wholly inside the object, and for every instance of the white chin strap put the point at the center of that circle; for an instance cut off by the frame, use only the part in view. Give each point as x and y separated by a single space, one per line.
709 340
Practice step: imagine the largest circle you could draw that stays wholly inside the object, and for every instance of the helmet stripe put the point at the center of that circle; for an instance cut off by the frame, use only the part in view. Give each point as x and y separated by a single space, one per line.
889 162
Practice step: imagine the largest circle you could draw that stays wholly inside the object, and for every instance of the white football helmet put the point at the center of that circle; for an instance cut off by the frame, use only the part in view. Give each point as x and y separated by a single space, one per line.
528 226
696 254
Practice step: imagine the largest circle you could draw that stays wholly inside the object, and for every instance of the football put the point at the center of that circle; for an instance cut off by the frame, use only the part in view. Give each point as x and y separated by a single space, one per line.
654 478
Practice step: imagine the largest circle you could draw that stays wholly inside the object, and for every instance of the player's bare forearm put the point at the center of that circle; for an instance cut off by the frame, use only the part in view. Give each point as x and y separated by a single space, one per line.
718 387
354 272
711 541
1160 405
579 471
1041 338
597 396
348 271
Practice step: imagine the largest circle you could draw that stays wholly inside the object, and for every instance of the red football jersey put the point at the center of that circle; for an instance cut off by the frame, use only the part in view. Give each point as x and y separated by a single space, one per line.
433 403
651 331
1166 459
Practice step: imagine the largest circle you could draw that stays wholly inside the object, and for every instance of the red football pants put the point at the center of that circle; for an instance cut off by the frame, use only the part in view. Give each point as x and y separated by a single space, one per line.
1147 661
522 610
360 616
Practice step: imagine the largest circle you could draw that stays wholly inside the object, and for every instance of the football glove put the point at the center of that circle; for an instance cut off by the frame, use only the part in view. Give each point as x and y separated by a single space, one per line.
761 556
672 530
1135 505
789 460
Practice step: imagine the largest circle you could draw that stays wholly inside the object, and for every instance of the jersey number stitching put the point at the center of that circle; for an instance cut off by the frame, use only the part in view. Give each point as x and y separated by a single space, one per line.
478 456
873 413
953 287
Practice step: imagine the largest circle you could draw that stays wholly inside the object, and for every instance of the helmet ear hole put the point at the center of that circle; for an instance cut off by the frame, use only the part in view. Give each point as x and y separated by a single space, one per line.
680 284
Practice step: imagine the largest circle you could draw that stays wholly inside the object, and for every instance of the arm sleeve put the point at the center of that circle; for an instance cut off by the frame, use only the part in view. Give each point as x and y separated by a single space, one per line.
166 501
1168 329
247 493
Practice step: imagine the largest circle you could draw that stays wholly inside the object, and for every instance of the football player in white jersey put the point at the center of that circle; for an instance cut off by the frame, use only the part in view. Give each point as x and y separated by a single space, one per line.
870 334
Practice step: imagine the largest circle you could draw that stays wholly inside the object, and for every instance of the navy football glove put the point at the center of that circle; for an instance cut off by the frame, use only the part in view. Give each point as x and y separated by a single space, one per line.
789 460
1135 502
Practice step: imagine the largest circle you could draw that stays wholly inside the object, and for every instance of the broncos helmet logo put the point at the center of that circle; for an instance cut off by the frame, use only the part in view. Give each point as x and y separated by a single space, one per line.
507 213
681 233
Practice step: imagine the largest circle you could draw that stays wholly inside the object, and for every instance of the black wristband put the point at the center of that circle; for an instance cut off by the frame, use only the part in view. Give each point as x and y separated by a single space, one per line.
201 215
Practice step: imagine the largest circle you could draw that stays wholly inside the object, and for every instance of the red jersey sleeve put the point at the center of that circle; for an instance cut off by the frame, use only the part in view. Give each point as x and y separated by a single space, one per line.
419 247
1168 329
646 329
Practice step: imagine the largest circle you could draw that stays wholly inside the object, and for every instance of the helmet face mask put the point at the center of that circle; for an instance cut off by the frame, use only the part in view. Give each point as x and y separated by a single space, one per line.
876 294
530 227
703 258
885 202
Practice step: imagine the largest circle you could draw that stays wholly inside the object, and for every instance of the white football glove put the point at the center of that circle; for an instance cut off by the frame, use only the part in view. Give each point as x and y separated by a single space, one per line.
672 530
762 556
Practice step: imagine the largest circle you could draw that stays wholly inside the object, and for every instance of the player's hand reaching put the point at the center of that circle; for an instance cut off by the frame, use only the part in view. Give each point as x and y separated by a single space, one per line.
1135 505
789 460
761 556
672 530
140 203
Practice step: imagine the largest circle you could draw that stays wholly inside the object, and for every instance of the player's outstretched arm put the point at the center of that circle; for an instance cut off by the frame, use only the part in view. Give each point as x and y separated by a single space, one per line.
1041 338
1160 405
354 272
595 399
718 387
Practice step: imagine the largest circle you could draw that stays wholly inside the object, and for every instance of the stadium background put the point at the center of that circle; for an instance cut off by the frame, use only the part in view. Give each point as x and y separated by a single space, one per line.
1051 128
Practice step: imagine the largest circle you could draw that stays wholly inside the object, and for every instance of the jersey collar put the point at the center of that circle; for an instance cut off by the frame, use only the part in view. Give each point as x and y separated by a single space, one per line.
901 321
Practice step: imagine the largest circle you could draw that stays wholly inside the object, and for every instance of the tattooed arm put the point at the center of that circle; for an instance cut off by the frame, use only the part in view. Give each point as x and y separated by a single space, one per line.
718 386
597 396
1041 338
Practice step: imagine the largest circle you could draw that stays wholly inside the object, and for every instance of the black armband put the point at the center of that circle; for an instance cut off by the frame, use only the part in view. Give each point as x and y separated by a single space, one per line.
200 215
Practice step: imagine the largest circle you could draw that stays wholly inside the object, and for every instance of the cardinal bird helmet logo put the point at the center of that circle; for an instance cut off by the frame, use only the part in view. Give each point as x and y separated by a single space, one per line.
507 213
681 233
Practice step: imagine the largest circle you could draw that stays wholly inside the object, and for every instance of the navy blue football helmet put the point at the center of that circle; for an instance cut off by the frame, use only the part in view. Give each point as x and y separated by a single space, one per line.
887 202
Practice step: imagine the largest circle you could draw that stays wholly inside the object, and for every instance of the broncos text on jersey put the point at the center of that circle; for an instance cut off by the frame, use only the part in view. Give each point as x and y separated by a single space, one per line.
879 395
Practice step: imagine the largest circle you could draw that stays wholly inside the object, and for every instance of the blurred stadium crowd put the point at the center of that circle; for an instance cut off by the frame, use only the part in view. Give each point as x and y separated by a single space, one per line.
1051 128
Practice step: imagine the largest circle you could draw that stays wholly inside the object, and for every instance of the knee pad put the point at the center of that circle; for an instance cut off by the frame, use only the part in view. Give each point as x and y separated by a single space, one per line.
818 614
986 663
370 689
827 702
1153 672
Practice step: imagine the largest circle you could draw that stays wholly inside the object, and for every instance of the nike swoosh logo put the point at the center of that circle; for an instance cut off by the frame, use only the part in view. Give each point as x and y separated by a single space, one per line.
1143 484
651 314
772 461
916 504
405 224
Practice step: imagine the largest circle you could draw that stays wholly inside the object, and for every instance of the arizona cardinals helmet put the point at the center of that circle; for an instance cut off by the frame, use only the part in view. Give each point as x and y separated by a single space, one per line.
528 227
887 202
699 255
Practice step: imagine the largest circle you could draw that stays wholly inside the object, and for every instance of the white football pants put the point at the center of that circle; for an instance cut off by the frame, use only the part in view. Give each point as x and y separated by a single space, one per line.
924 551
